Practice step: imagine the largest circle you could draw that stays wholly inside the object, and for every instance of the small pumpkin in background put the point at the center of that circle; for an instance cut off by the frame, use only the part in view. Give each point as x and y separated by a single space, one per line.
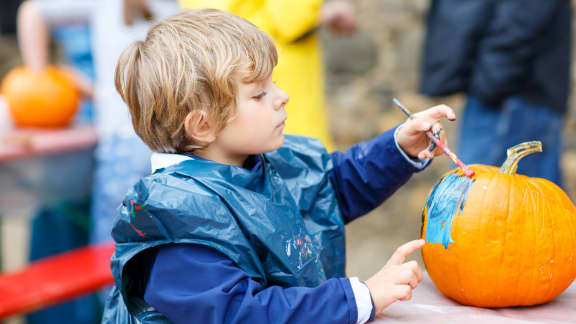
499 239
46 99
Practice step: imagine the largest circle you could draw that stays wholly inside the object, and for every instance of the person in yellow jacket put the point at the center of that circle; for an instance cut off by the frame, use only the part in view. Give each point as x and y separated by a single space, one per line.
300 71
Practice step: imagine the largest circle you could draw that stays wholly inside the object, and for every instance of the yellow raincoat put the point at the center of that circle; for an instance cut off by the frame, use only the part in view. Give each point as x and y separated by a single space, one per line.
300 71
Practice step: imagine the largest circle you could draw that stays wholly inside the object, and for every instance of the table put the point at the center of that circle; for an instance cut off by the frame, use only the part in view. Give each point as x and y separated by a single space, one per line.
429 306
21 143
36 165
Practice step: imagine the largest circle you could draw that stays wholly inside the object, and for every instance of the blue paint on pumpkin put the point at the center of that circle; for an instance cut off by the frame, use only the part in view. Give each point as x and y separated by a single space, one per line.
447 199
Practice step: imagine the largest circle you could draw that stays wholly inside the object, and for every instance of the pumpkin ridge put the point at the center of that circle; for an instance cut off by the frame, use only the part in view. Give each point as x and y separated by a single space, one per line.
461 291
555 245
548 214
459 256
525 201
502 272
483 214
560 202
573 222
534 251
495 177
544 209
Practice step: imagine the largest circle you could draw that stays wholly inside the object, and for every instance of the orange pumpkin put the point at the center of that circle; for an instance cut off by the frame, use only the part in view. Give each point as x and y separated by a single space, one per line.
499 239
47 99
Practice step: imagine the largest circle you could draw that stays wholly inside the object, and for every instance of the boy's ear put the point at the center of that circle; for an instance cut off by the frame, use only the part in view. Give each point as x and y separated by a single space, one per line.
199 127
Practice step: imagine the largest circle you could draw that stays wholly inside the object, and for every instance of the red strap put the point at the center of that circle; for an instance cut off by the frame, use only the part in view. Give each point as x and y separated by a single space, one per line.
55 279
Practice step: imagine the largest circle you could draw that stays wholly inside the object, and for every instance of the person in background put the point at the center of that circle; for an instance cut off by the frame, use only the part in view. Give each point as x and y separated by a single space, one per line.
62 224
120 157
512 59
9 57
294 27
240 223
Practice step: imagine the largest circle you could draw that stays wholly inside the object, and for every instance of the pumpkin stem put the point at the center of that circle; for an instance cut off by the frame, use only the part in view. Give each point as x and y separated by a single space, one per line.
516 153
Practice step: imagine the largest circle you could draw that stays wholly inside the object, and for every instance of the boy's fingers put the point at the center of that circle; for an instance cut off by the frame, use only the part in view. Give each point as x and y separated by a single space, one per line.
403 292
415 268
439 112
437 129
438 132
412 280
403 251
419 273
424 126
406 276
426 154
417 126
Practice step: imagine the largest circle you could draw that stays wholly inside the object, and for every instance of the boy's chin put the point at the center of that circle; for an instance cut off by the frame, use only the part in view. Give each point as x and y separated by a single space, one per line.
276 144
279 143
269 146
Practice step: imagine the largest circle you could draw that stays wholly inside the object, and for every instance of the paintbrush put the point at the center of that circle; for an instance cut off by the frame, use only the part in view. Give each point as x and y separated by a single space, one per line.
467 171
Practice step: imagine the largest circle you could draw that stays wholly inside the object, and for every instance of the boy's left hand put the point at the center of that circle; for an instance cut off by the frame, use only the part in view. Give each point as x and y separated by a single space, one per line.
411 136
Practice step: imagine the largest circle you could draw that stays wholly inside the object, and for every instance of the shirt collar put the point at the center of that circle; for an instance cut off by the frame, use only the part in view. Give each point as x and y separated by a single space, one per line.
164 160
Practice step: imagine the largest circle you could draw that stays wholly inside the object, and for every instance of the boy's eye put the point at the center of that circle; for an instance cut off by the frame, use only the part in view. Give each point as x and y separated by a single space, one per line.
259 96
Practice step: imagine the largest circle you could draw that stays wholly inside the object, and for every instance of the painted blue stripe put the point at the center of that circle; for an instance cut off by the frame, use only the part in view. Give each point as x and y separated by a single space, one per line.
447 198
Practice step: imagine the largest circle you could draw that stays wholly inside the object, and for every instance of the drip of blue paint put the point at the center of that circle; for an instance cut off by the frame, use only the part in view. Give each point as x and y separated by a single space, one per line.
447 198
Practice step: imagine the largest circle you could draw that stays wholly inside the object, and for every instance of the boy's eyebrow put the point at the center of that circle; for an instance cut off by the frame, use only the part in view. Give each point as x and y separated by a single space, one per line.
256 84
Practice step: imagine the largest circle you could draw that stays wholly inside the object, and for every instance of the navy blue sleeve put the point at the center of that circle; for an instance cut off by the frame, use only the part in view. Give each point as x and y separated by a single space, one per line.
367 174
194 283
511 41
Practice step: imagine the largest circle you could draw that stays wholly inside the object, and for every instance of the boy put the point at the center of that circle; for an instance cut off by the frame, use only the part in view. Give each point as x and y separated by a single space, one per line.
294 26
239 224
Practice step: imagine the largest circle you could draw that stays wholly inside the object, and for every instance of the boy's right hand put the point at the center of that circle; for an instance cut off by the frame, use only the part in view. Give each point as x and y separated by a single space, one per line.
396 280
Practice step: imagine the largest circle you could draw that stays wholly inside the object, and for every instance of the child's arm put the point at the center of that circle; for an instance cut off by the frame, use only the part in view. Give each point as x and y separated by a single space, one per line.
35 22
37 18
33 36
370 172
196 282
291 20
339 16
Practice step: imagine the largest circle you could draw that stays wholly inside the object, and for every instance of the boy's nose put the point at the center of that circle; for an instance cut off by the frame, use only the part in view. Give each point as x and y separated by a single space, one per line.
282 100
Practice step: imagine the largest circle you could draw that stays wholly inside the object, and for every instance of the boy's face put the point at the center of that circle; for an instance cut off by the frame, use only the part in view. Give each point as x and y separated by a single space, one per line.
258 124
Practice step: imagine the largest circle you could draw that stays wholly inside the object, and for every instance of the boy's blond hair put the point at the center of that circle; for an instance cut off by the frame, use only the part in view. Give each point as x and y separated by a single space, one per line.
190 61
